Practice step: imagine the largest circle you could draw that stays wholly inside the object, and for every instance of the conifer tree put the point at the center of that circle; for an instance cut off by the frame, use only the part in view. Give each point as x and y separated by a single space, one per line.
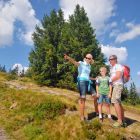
56 37
79 39
44 58
133 97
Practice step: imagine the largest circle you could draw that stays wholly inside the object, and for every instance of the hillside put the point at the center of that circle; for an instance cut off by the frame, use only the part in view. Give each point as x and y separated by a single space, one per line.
31 112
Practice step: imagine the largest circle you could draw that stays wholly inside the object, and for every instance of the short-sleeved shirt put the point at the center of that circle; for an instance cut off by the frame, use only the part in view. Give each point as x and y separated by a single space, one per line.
83 71
103 83
113 70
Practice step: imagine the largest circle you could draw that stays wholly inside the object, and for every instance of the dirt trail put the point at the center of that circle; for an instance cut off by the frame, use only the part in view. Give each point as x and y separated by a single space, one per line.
3 135
130 114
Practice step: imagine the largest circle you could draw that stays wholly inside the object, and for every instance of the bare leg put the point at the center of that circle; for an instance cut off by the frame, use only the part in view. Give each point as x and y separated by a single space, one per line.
82 107
95 104
108 108
119 111
100 110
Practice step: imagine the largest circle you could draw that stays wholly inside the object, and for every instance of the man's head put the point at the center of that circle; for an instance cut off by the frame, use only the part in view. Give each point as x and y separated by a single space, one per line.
113 60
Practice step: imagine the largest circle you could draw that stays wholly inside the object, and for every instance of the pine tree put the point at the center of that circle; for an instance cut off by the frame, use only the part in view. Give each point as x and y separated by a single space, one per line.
125 94
44 58
2 68
79 39
133 97
56 37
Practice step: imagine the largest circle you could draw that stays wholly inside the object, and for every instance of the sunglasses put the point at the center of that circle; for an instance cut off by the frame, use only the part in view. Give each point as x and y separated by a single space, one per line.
88 58
112 59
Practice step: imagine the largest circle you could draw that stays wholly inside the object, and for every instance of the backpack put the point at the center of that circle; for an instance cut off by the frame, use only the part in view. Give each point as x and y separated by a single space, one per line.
126 74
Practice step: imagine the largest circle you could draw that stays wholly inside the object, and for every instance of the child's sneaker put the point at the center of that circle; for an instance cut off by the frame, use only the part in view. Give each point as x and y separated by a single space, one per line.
97 114
104 115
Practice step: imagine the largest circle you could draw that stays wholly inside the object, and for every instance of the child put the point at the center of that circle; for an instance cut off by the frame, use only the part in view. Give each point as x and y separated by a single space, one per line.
103 89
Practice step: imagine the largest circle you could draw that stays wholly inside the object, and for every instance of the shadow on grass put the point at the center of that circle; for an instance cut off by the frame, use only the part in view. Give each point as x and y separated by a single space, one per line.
129 121
92 115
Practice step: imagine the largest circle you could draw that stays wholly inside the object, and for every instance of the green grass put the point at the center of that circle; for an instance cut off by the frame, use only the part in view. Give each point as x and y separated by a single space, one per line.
41 116
30 114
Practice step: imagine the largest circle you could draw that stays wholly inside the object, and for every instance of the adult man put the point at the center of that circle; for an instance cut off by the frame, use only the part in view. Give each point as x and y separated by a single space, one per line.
116 73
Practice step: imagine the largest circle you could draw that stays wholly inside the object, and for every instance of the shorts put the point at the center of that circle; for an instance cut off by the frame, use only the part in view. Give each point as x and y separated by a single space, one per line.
92 91
103 98
116 94
83 89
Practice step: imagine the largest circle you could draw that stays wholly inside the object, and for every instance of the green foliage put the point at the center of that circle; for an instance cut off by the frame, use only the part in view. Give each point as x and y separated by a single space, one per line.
2 68
114 136
32 132
132 97
125 93
10 77
91 129
57 37
27 119
49 109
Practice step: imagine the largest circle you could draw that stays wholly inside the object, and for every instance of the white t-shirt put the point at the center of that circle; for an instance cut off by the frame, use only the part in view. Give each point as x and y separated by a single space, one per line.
113 70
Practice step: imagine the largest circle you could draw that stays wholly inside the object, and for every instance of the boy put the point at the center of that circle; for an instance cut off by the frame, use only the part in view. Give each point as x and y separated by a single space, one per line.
103 89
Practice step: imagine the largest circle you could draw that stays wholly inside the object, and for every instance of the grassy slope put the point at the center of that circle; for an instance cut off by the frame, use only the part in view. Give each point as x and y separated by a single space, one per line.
41 116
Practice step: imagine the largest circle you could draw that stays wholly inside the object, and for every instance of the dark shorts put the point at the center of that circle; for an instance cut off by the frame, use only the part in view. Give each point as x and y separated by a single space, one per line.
103 98
83 89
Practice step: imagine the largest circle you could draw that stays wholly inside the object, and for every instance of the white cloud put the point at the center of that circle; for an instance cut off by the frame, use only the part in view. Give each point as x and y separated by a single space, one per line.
98 11
20 68
114 33
12 11
113 24
120 52
138 73
134 31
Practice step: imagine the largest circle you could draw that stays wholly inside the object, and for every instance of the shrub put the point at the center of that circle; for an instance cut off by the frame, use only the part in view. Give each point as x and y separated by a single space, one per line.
91 129
32 132
11 77
50 109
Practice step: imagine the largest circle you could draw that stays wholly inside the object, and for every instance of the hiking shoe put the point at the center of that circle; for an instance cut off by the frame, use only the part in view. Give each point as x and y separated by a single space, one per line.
84 119
124 124
117 125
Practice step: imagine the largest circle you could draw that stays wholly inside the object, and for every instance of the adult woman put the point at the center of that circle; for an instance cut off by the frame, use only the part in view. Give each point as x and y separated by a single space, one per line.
84 69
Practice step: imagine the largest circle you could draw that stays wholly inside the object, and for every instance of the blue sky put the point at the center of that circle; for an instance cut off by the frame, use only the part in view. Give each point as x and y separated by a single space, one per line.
117 24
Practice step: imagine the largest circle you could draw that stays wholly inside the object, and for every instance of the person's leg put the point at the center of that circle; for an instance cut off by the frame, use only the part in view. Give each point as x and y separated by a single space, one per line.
107 104
83 88
116 100
100 110
95 104
82 107
93 94
100 104
122 112
119 111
